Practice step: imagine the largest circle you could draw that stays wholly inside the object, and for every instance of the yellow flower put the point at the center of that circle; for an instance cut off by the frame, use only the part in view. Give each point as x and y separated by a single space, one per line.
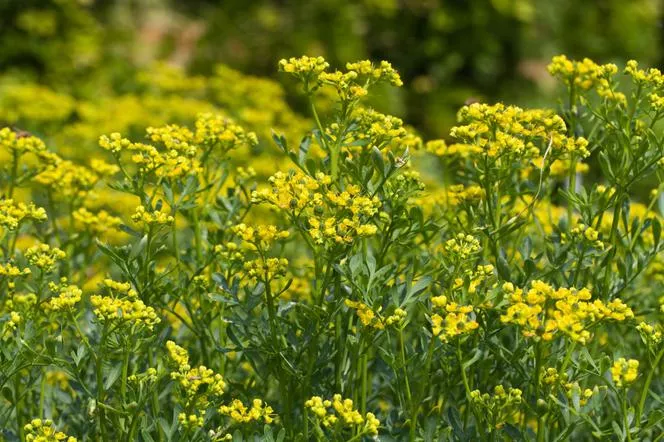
148 218
44 257
13 213
456 321
306 69
124 310
624 372
342 411
43 431
365 313
67 298
18 144
243 414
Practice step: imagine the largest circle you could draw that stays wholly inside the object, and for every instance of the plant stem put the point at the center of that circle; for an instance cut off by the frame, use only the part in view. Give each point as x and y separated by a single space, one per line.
409 397
155 398
646 385
572 191
363 381
42 394
624 410
125 369
14 174
19 411
538 368
100 391
466 384
197 237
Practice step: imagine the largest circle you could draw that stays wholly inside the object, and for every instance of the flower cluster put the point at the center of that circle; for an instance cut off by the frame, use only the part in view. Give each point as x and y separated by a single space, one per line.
339 411
543 311
509 131
148 218
651 334
582 234
198 385
587 75
13 213
18 143
239 412
461 247
11 271
624 372
97 223
497 408
213 130
123 307
260 237
555 380
68 180
44 257
367 316
456 320
334 217
375 130
653 77
68 296
178 152
39 430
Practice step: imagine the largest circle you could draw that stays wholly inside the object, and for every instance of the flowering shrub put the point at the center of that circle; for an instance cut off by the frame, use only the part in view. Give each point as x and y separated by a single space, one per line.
373 286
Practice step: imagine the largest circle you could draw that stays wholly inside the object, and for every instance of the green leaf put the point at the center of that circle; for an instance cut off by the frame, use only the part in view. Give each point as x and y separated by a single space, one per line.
125 228
112 376
455 422
377 157
138 248
305 144
656 231
418 287
7 394
618 430
503 267
280 141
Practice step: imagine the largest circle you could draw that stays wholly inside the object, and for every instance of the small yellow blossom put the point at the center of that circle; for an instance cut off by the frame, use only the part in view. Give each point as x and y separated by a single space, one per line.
39 430
624 372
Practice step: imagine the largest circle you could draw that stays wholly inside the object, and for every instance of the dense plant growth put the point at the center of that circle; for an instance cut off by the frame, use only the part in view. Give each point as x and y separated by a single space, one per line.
342 281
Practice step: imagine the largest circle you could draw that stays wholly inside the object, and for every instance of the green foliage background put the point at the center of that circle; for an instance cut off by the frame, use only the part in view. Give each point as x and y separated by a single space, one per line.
448 52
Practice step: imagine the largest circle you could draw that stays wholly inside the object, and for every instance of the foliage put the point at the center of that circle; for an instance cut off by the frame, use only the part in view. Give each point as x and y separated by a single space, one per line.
356 283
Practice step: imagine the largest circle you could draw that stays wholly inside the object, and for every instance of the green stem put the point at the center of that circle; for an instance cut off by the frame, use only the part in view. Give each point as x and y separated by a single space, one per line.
155 398
402 354
363 381
624 410
427 368
133 427
176 249
572 191
409 396
19 411
614 228
577 272
197 237
14 174
646 385
466 384
42 394
146 258
541 425
100 390
538 368
123 379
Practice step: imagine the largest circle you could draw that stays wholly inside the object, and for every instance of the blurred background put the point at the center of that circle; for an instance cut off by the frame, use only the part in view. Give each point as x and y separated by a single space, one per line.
448 51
